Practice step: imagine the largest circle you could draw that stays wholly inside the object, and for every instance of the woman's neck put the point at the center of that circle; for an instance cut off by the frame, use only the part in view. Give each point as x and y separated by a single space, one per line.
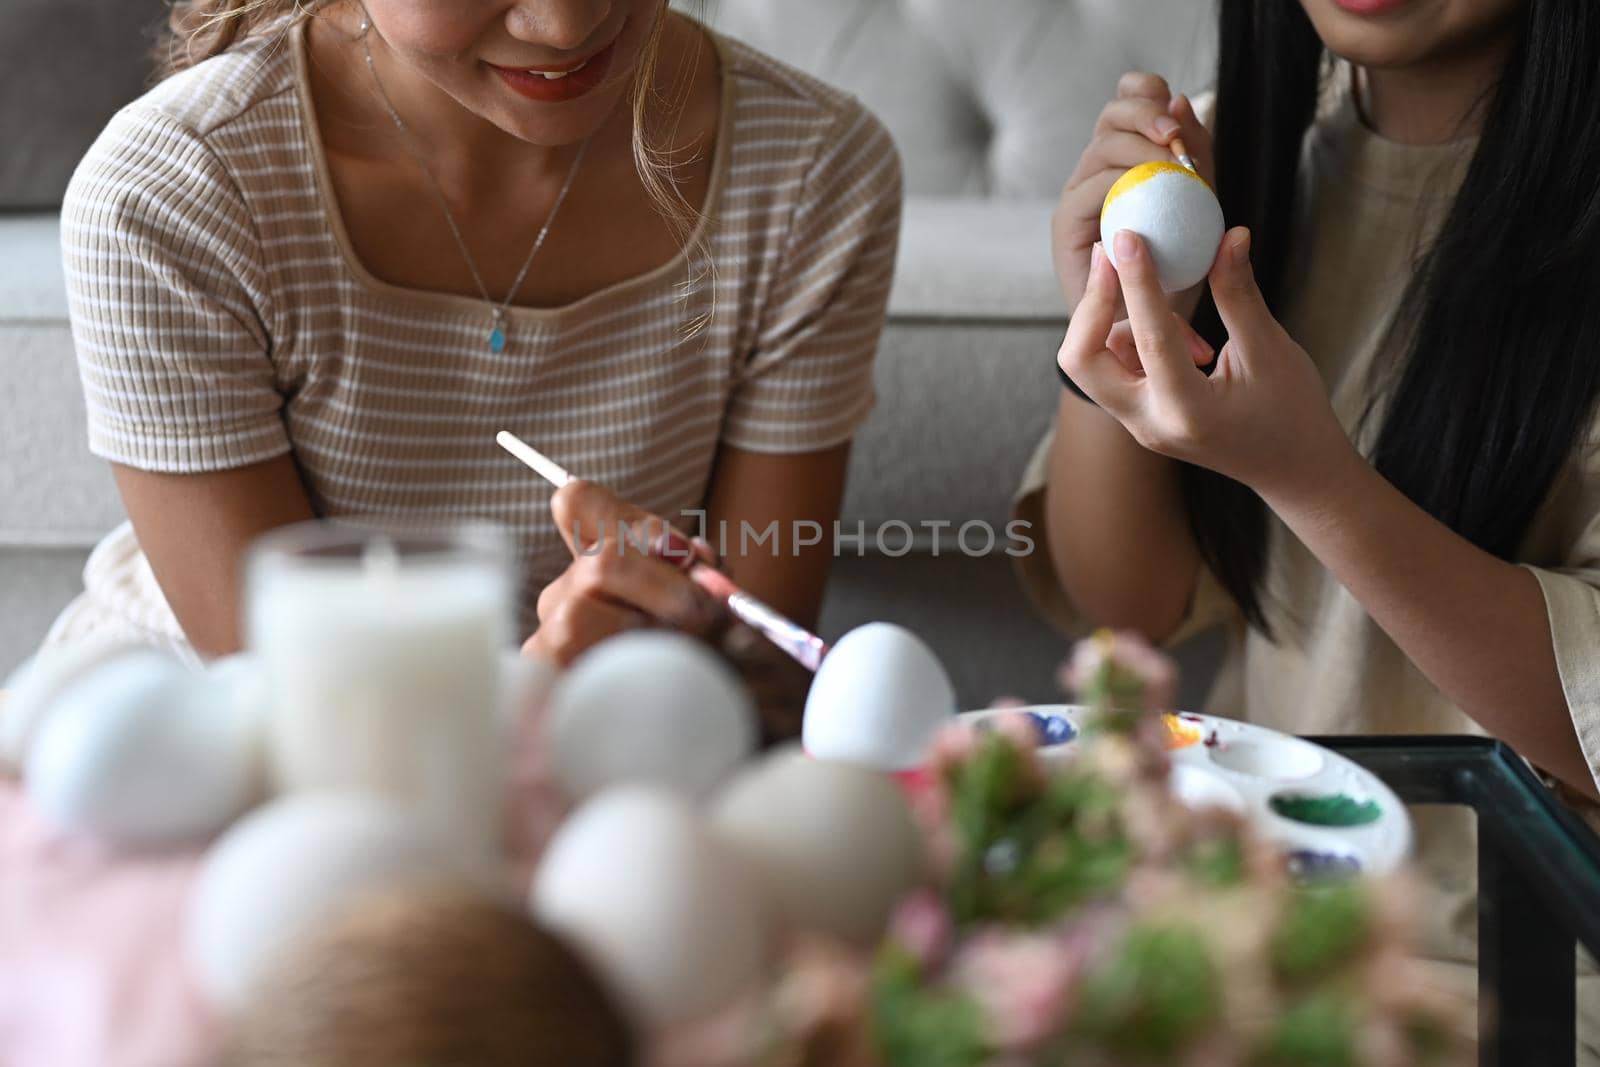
464 151
1435 102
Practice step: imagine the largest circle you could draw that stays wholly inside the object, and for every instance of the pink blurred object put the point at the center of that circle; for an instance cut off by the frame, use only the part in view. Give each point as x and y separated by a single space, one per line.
1021 982
1131 652
91 969
90 972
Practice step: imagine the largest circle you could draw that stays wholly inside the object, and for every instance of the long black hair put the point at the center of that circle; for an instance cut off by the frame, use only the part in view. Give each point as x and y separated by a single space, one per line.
1500 382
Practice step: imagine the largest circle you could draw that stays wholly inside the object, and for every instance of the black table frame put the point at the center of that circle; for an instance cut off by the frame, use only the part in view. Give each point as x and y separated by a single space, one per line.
1538 884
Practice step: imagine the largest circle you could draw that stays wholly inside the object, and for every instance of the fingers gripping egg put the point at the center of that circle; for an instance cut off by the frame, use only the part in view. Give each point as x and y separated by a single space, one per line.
1176 213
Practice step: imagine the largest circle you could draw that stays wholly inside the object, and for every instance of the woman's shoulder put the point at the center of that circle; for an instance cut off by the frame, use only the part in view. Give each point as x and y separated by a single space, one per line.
181 130
175 150
222 90
785 110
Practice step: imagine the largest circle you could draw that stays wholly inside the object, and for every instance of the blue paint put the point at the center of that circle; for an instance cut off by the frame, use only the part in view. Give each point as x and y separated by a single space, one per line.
1053 729
1309 867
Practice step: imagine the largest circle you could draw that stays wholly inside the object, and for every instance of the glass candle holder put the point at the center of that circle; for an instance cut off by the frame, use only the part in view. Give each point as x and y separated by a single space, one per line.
381 644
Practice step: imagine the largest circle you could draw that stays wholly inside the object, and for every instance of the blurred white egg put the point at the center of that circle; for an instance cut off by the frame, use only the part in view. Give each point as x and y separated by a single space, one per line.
287 867
142 752
662 911
879 698
834 844
526 685
652 707
32 689
1176 213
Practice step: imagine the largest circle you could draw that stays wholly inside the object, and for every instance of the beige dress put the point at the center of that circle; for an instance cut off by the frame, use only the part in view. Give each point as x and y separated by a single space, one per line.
221 318
1368 207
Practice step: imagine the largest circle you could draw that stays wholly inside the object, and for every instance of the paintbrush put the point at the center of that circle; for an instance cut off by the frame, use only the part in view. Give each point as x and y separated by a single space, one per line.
1180 151
805 647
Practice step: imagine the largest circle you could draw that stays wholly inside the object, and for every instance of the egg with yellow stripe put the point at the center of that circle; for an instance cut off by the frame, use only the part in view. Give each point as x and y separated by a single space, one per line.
1176 213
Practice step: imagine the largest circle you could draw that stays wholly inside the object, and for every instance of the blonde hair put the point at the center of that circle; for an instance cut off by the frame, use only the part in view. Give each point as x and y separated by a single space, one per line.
200 29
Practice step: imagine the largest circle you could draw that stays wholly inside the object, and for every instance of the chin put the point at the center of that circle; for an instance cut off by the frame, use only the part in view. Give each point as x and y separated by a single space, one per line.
554 126
1395 34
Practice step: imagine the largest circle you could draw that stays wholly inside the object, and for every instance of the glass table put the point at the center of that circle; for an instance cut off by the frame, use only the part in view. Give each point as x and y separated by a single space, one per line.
1538 884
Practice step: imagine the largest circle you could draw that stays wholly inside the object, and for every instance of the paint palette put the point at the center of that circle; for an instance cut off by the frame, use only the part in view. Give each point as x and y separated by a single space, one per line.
1333 818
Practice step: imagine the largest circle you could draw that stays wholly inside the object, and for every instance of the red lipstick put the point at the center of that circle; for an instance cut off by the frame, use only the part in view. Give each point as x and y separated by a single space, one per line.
1371 7
532 82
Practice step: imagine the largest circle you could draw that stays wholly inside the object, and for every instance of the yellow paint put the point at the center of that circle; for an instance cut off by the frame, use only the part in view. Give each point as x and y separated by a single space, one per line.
1181 734
1142 173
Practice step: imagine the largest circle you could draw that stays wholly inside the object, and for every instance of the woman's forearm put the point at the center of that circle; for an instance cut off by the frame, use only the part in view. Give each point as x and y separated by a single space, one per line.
1475 625
1118 534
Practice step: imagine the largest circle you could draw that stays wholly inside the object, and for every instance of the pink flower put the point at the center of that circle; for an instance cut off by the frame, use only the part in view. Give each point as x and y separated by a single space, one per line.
1018 729
1131 654
953 745
922 926
1020 982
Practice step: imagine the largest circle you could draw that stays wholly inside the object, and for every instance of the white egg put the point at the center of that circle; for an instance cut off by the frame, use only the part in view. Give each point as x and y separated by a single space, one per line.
287 867
142 752
878 699
665 913
526 685
648 707
32 689
833 844
1176 213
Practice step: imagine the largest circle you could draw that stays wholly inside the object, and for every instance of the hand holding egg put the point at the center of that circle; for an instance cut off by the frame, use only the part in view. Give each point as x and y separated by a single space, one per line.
1138 126
1262 417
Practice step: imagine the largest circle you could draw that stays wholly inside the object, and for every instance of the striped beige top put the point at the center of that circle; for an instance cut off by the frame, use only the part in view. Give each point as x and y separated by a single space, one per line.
221 319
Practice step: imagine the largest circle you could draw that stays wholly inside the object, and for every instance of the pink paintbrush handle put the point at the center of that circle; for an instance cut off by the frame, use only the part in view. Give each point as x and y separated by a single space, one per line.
805 647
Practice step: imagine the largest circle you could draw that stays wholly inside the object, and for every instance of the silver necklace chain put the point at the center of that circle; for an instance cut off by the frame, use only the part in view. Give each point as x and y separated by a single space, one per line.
496 311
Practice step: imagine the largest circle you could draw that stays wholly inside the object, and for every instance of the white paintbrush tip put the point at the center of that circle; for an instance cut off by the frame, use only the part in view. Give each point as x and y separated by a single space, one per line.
546 468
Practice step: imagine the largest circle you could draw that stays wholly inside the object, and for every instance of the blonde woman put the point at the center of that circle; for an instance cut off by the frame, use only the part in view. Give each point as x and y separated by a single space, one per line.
340 245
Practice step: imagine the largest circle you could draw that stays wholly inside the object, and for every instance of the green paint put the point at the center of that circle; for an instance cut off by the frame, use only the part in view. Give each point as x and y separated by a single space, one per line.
1335 810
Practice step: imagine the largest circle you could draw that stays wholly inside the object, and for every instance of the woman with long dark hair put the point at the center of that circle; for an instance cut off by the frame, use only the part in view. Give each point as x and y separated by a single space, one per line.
1372 452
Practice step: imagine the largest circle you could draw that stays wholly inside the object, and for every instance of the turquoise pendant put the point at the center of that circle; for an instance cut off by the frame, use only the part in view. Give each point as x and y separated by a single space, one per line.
497 339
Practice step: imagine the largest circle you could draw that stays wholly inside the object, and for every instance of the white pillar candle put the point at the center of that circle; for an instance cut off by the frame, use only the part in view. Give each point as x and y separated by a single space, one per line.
382 652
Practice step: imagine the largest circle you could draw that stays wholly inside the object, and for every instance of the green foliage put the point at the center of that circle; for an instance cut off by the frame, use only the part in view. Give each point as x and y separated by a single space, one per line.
1318 1031
919 1024
1322 928
1157 992
1028 848
1216 862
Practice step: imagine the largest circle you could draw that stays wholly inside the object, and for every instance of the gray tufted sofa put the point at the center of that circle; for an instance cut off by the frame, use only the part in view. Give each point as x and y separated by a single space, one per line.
990 102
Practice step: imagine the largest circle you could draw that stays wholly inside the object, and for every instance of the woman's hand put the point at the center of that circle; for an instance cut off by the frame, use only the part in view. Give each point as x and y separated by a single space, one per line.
1262 417
1137 127
613 584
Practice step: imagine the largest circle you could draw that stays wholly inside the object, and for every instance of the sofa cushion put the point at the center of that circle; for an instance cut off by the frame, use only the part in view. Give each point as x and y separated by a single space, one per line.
971 259
69 65
984 97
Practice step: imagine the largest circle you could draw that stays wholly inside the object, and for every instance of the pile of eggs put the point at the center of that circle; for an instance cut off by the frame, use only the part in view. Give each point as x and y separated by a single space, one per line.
683 862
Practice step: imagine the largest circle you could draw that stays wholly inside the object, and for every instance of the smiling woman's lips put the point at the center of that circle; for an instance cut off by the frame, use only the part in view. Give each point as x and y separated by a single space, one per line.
1371 7
536 86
